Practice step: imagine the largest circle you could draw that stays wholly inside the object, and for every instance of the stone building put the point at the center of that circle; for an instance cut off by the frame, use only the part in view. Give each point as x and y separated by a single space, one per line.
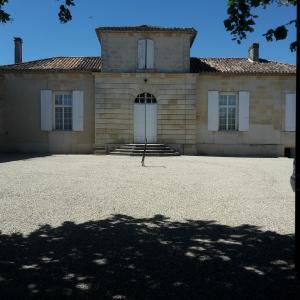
145 84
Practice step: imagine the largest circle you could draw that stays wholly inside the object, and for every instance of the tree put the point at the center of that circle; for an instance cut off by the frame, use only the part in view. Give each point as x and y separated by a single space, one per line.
64 13
241 19
240 22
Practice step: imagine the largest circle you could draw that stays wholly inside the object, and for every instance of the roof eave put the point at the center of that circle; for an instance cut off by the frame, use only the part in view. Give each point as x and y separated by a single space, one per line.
245 73
193 32
48 71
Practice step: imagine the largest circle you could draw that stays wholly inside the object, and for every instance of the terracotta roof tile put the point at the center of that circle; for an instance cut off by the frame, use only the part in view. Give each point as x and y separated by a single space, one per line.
240 66
198 65
147 28
58 64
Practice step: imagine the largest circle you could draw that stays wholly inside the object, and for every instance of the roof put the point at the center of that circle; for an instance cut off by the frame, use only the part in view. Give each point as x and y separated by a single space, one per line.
58 64
143 28
198 65
240 66
146 28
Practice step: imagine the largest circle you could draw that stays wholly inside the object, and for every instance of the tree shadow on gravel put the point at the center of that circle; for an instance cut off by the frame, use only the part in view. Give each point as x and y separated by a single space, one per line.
122 257
8 157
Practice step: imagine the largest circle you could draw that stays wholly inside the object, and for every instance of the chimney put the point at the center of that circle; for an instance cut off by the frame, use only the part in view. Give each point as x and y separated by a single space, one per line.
253 53
18 50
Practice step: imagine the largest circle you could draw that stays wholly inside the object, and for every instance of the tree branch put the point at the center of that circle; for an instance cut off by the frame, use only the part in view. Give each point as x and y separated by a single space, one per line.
64 13
241 19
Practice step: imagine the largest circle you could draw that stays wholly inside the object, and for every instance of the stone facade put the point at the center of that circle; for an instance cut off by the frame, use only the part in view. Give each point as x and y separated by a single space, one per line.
111 84
175 94
22 117
266 135
120 54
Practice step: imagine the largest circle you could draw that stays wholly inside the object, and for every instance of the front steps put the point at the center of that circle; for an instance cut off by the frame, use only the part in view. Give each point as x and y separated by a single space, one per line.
151 150
99 150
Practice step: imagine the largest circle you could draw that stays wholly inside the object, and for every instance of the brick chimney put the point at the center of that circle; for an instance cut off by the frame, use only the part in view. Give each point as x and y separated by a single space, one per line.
253 53
18 50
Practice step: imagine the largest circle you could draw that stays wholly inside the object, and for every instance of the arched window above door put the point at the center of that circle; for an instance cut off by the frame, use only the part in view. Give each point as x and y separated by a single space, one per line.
149 98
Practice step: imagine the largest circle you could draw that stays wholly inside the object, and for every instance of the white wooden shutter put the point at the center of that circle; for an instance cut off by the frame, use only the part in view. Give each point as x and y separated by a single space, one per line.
290 112
141 54
46 110
150 54
213 111
77 110
244 100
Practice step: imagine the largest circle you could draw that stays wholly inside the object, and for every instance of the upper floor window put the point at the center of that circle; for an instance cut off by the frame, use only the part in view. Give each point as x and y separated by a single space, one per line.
145 54
63 111
228 112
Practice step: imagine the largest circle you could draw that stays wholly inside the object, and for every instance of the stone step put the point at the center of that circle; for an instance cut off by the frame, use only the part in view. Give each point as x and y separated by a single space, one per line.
151 150
147 154
99 152
137 145
147 150
142 148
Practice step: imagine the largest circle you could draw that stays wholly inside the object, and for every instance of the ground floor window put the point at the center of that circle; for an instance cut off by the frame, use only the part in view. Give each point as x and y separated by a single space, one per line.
228 112
63 111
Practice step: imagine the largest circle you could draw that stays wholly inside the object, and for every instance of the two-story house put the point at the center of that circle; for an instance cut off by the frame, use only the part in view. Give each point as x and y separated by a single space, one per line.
145 84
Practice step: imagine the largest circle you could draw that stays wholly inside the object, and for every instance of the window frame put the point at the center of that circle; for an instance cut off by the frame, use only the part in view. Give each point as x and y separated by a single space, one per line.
63 106
227 106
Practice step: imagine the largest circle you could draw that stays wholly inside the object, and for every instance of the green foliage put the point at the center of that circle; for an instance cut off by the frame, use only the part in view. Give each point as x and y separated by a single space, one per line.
4 17
64 13
241 19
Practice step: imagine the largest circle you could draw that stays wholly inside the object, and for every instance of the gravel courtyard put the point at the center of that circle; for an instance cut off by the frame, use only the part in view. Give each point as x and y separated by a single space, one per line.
103 227
79 188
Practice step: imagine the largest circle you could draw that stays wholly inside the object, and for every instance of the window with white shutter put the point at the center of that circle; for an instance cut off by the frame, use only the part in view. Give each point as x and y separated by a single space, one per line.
149 54
46 110
290 112
63 111
142 54
146 54
213 111
244 102
78 110
228 112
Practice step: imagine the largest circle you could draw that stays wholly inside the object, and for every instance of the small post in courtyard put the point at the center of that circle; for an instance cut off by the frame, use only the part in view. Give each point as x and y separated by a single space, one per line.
144 153
145 145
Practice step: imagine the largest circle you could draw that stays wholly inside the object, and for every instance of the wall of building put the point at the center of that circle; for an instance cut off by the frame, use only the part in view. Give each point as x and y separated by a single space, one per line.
175 93
22 120
119 51
181 120
266 135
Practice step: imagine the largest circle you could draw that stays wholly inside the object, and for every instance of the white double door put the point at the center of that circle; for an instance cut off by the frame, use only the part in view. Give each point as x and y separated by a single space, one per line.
145 115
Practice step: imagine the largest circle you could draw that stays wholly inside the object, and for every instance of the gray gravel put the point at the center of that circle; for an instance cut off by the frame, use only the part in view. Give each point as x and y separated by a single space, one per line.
78 188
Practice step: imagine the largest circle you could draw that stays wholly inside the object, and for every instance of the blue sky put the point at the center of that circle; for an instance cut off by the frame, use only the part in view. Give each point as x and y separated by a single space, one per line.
37 23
